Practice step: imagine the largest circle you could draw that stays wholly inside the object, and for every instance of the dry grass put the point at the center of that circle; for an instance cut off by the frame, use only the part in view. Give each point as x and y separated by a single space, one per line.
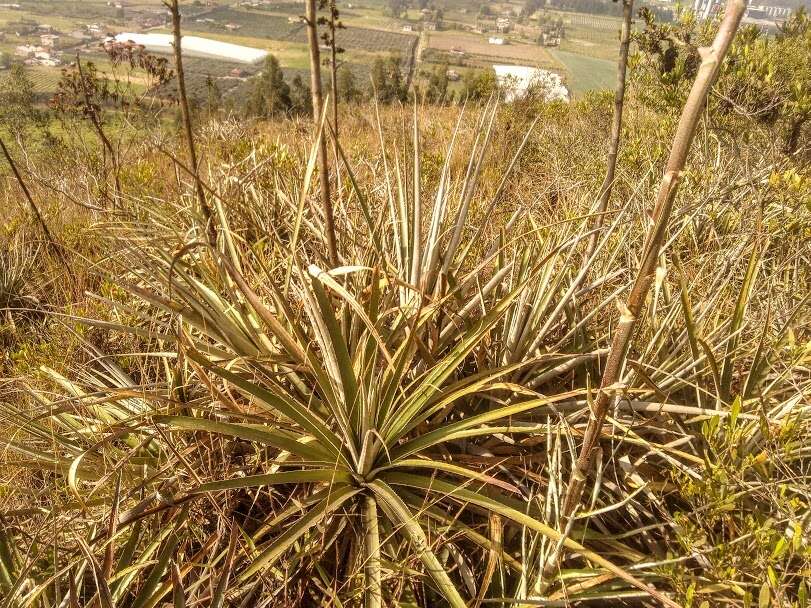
702 484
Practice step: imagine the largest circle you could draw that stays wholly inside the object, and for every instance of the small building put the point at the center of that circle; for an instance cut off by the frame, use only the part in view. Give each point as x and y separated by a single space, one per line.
452 75
495 40
29 50
503 25
48 40
408 28
294 20
430 26
232 27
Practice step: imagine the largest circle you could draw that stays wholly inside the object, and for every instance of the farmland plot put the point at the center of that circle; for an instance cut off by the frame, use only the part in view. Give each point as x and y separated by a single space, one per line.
277 27
198 70
477 48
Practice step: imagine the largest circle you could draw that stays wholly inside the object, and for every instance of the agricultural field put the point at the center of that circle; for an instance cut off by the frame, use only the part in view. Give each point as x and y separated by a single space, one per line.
586 56
256 24
590 35
477 50
585 73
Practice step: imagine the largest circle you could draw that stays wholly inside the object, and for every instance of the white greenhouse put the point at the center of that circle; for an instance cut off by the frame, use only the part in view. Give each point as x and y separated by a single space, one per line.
195 46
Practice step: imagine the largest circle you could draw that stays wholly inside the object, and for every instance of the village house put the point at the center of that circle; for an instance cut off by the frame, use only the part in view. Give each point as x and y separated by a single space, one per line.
495 40
48 40
430 26
408 28
503 25
232 27
27 50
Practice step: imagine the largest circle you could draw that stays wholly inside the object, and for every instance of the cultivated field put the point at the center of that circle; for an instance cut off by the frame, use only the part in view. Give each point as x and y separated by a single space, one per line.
256 24
586 73
475 46
585 58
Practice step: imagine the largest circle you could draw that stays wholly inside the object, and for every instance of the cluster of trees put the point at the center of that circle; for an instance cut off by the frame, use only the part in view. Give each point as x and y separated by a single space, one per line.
475 86
17 100
270 94
766 78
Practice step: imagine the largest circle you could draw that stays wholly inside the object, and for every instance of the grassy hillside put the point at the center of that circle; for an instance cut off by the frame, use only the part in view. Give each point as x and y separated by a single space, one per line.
685 465
202 405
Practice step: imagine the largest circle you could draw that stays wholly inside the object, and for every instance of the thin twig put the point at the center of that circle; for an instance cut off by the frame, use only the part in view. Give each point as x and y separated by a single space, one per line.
55 247
205 210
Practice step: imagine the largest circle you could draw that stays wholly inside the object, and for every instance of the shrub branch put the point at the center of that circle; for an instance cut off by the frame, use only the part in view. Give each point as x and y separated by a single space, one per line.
711 59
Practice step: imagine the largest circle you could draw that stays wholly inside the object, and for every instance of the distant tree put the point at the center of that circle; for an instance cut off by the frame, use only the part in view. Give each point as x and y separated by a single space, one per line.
396 7
301 101
387 80
17 99
5 60
269 94
213 96
437 87
479 85
530 7
347 85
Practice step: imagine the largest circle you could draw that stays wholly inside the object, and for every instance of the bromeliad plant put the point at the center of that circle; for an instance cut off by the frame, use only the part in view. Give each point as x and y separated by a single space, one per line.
335 420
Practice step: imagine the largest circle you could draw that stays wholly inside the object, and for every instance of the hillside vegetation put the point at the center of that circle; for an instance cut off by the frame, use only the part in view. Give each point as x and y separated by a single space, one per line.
202 405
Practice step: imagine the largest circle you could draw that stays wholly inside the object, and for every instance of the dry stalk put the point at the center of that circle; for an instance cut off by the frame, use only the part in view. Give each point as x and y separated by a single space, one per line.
311 19
711 59
616 125
205 210
105 141
55 247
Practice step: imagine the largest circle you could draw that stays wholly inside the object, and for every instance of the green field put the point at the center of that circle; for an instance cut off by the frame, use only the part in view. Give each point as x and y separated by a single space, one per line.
586 55
259 24
586 73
